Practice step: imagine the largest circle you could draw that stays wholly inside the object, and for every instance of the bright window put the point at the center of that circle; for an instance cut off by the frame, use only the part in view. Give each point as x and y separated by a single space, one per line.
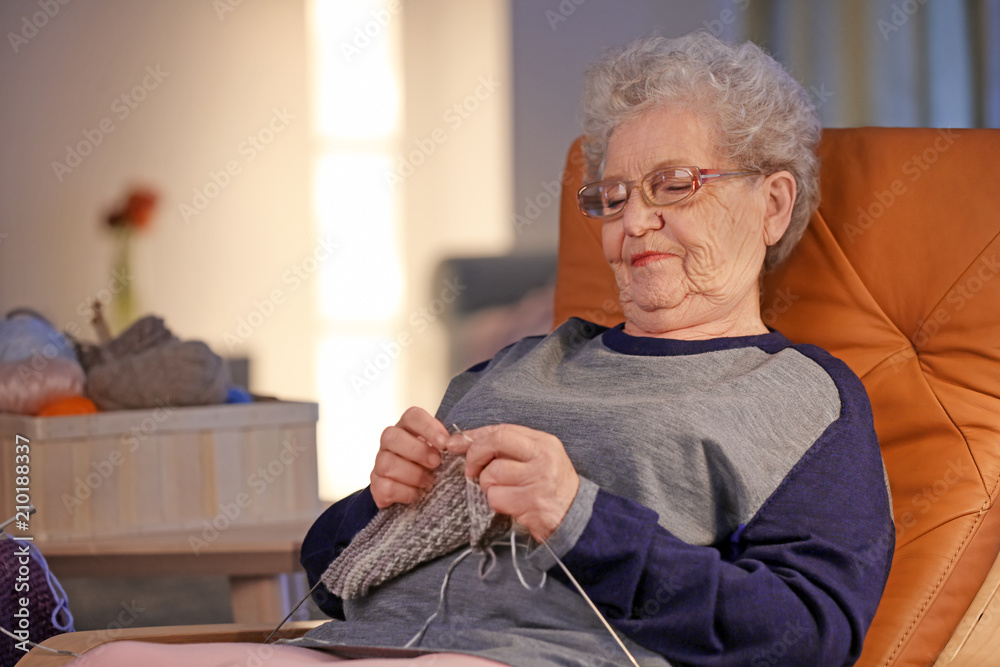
357 97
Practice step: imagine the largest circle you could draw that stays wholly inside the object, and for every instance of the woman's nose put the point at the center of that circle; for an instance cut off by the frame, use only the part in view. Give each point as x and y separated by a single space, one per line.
639 217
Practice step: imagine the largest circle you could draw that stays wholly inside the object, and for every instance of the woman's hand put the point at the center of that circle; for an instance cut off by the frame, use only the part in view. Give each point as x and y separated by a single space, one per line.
407 456
525 473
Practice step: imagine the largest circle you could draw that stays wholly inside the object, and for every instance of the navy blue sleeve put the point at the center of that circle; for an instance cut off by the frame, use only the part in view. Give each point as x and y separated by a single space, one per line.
328 536
798 584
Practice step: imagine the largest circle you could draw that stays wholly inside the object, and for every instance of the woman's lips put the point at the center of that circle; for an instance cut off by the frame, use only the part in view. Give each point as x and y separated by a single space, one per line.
644 258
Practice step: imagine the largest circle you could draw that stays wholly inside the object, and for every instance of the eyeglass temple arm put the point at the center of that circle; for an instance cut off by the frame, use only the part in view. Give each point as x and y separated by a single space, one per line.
714 173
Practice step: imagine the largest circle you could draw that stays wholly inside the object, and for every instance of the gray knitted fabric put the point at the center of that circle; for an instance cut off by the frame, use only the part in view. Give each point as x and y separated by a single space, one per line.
454 513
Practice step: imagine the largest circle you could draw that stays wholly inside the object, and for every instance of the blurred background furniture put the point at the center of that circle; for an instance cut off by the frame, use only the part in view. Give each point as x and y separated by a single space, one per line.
502 300
895 275
225 490
256 559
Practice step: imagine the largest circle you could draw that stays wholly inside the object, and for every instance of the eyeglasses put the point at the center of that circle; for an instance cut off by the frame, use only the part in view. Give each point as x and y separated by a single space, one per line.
661 187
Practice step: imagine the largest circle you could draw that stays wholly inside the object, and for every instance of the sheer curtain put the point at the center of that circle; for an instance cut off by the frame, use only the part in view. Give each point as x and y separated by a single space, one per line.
888 62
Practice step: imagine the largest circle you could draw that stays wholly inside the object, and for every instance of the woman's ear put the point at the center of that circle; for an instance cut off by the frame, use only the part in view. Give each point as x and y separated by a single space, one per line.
779 192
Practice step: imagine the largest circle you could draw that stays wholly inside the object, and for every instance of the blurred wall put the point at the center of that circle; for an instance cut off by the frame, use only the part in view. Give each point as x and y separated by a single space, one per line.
167 94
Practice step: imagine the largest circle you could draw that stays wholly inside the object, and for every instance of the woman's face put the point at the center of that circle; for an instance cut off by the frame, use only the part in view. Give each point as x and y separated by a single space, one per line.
689 268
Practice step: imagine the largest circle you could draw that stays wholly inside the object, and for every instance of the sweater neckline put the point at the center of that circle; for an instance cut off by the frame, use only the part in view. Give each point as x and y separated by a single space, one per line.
616 339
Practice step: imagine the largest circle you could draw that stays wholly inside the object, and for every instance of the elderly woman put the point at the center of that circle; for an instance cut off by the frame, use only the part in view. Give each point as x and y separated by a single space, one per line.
716 490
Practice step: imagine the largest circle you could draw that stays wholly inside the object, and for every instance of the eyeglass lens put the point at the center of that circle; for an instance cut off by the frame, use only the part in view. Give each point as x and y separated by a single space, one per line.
661 187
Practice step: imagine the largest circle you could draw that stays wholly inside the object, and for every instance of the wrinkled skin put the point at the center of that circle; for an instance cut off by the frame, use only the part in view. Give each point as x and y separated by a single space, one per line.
702 280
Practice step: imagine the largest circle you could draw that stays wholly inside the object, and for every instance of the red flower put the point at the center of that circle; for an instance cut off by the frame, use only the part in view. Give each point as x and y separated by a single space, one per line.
137 212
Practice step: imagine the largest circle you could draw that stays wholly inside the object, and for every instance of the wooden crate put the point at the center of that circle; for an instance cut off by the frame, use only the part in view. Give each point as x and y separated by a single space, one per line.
134 472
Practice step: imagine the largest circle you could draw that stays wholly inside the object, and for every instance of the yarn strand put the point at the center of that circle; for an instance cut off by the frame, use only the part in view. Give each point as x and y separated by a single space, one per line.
444 586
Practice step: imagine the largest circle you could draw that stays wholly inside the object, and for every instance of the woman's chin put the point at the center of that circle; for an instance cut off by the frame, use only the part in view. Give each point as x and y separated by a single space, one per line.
653 315
652 303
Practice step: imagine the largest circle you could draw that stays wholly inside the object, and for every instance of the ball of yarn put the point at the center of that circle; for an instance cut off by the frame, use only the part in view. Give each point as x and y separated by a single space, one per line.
238 395
71 405
26 386
47 607
24 336
174 373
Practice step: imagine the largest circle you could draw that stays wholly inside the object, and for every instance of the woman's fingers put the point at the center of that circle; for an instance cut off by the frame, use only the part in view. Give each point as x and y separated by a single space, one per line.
422 424
395 479
406 445
482 445
404 471
525 473
387 492
408 454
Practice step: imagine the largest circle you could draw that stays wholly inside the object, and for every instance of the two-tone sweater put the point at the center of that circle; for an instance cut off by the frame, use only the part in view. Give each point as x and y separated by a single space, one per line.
732 510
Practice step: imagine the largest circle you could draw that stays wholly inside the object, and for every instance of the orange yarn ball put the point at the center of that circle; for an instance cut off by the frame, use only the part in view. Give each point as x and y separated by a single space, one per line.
71 405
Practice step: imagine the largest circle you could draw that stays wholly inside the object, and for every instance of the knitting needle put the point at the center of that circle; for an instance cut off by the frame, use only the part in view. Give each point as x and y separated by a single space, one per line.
462 433
579 588
285 619
3 526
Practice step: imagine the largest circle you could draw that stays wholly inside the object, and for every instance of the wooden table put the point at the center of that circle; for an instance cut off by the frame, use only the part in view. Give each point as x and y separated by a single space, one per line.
257 558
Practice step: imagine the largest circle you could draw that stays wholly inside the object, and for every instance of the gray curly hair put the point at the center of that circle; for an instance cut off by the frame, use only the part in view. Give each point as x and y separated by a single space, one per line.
764 119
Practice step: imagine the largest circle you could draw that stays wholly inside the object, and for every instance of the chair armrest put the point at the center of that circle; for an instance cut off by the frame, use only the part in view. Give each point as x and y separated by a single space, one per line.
80 642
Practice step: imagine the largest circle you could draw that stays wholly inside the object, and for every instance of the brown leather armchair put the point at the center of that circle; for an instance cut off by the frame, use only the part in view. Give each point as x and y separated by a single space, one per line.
896 276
